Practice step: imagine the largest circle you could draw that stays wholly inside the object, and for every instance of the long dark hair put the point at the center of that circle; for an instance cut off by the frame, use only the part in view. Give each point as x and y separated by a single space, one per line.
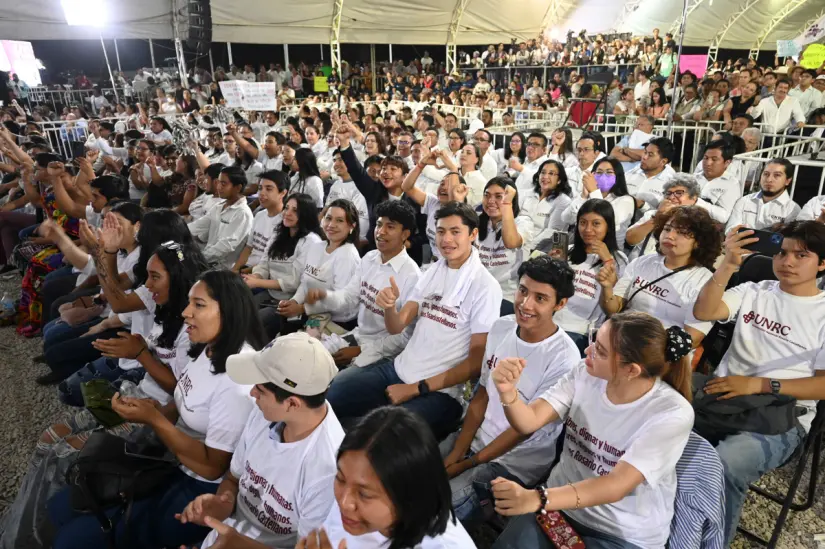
483 219
620 188
601 208
163 122
522 154
239 318
183 266
567 146
379 141
351 213
563 186
283 245
157 227
402 450
307 164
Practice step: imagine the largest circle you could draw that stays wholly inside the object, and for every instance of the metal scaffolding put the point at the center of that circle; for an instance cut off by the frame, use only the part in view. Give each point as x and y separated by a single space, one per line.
691 7
334 43
778 17
452 34
713 51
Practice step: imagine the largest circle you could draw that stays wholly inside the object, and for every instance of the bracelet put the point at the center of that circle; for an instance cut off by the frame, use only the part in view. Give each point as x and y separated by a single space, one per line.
543 499
452 173
140 352
578 501
506 404
609 260
713 278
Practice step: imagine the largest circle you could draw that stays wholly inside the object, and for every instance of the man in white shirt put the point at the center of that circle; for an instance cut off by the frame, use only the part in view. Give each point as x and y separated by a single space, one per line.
454 303
589 149
630 149
272 188
641 92
370 341
772 204
277 489
536 155
270 156
776 112
646 183
225 229
720 190
404 148
776 349
809 97
489 168
487 447
426 61
249 74
813 210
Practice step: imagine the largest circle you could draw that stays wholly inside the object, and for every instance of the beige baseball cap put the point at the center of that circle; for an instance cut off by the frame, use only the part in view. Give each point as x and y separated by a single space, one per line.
296 363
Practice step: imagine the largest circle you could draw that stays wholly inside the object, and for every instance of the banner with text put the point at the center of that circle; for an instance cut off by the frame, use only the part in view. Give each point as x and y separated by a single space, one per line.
252 96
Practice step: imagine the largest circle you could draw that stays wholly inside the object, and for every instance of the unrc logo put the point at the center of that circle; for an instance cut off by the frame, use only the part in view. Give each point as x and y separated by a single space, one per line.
748 317
767 324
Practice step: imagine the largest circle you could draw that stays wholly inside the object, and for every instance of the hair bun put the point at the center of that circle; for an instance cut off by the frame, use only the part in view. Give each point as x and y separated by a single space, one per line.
679 344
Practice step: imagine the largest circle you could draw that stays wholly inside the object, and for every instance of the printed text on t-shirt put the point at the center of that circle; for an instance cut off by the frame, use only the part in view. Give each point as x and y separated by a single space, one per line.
597 455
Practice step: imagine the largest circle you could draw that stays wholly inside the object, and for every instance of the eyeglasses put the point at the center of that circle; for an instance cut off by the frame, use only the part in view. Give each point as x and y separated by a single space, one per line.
534 144
481 140
675 194
580 150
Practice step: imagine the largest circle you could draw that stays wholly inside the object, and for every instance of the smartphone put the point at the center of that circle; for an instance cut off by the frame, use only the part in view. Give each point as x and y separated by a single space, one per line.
560 245
769 243
78 149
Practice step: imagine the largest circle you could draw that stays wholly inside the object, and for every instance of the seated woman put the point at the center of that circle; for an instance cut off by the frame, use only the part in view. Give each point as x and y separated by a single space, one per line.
169 186
628 414
659 105
552 199
666 284
607 182
279 272
515 146
594 246
329 265
502 235
201 426
563 148
380 500
68 351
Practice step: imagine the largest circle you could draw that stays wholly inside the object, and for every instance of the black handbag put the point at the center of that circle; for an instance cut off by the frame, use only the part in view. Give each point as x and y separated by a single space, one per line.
111 473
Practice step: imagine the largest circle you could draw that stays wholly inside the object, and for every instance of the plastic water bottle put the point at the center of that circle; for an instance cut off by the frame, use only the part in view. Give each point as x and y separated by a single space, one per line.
7 305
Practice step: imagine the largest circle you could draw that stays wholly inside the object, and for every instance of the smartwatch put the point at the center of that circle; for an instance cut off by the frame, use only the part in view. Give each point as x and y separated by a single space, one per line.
775 386
423 388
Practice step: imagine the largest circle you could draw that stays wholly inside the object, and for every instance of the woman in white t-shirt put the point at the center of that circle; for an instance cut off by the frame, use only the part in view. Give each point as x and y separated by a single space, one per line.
666 284
329 265
279 271
628 417
211 411
563 148
516 146
307 178
380 499
608 182
160 133
552 197
316 144
594 246
469 164
502 236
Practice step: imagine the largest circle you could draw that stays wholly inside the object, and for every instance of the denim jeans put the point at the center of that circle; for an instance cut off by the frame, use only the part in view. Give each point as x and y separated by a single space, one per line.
746 457
523 532
151 524
57 331
357 391
103 368
468 487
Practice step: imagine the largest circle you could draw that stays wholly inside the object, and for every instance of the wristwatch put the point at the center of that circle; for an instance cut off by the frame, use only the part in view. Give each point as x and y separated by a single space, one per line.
775 386
423 388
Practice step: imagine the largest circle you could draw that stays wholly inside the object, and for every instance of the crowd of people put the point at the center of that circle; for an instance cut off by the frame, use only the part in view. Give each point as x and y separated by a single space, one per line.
373 326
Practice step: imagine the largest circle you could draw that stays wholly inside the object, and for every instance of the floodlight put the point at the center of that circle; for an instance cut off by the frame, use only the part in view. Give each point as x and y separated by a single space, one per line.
91 13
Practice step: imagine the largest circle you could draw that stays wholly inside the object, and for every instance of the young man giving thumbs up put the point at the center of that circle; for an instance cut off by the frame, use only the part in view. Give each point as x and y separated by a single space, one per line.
453 305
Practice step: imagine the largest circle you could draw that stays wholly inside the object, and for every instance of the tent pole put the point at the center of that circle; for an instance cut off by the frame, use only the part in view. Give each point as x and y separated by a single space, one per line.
229 51
676 89
390 54
372 64
111 76
286 56
211 62
117 56
152 53
322 52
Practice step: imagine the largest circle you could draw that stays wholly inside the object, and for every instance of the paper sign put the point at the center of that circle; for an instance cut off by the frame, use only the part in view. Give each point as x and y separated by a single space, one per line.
260 96
232 91
321 84
787 48
697 64
813 56
252 96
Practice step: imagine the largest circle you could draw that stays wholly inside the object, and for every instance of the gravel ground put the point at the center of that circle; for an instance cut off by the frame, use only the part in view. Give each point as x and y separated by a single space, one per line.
29 409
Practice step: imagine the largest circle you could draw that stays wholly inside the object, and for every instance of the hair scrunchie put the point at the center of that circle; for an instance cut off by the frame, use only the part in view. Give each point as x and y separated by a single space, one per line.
679 344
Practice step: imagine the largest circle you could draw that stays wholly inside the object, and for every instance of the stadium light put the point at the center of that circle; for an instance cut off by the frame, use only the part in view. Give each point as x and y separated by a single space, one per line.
91 13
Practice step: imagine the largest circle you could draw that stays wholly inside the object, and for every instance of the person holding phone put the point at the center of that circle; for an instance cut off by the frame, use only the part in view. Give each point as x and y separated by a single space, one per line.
777 348
627 408
552 197
772 204
594 247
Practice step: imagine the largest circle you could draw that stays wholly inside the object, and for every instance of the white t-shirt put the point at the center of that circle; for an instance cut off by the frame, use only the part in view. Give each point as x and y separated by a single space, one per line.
284 487
329 271
623 210
212 408
175 357
501 261
583 310
348 190
546 216
648 434
431 205
649 189
754 213
263 231
671 299
224 231
547 362
453 305
455 537
273 163
719 196
159 138
202 203
812 209
286 270
777 335
313 186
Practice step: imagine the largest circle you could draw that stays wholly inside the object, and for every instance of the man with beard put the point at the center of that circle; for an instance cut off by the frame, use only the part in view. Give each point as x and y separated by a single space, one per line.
771 204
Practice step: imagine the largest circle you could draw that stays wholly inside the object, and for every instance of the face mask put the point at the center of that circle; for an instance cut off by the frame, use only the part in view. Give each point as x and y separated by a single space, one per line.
605 181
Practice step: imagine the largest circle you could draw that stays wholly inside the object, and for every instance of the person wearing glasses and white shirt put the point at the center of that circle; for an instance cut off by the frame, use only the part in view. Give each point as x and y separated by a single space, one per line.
589 150
772 204
776 112
536 155
489 167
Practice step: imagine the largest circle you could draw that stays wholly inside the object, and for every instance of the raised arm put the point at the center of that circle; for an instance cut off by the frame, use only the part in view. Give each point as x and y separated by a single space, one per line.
395 320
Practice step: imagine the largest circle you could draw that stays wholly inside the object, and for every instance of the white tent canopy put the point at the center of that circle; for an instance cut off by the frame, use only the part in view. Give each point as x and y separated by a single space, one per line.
423 21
